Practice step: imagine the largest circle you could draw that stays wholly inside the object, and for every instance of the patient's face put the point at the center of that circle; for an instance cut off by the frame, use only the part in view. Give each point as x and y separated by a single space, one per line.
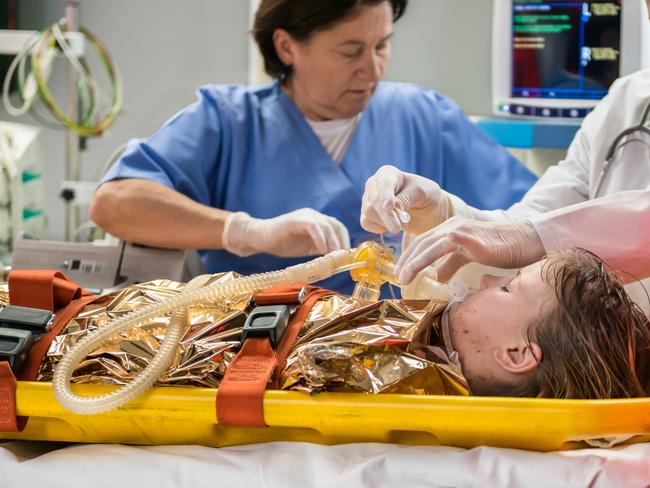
496 316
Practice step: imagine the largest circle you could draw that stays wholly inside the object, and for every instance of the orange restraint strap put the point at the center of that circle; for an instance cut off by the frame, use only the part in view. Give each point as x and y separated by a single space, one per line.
49 290
44 289
8 420
240 398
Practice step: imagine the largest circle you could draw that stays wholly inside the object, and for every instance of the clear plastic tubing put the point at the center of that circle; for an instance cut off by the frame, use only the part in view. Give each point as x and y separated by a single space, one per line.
309 272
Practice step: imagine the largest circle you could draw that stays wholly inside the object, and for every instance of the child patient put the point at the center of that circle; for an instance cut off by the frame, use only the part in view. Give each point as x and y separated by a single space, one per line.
561 328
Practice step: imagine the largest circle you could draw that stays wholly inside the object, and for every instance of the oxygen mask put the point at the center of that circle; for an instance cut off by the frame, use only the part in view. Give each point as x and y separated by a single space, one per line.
458 289
425 286
378 269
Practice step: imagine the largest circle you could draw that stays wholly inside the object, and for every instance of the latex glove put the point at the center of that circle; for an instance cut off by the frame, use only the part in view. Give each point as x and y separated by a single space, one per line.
302 232
459 241
390 190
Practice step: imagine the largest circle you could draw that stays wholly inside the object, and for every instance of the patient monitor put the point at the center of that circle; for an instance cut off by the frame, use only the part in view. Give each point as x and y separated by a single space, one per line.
558 58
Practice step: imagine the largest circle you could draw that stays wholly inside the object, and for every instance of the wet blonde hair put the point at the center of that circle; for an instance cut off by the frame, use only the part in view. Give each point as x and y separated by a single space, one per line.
595 342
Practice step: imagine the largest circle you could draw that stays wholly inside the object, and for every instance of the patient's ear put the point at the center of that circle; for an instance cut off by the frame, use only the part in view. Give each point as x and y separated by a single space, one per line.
521 358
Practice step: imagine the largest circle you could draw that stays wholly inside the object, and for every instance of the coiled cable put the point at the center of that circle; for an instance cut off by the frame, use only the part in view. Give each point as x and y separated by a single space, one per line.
97 113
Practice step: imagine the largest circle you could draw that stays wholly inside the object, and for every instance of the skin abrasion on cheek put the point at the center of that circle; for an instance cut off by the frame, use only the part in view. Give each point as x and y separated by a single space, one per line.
463 319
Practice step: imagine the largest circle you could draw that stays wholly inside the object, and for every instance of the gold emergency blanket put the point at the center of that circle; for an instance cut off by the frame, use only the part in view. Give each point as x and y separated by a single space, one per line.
378 348
391 346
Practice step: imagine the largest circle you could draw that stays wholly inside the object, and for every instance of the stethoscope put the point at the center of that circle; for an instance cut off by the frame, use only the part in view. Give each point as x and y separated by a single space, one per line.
609 159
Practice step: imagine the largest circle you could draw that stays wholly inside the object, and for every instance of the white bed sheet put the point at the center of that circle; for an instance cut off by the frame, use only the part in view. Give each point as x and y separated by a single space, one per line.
285 464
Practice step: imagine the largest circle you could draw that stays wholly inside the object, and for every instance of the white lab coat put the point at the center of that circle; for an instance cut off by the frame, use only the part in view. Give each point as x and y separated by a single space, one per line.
573 180
561 205
616 227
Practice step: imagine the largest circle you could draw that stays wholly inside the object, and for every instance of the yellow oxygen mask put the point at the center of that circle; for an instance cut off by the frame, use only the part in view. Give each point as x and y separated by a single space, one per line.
378 269
373 265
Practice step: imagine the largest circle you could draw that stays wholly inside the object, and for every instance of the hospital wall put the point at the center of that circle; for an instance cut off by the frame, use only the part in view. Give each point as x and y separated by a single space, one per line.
167 48
445 45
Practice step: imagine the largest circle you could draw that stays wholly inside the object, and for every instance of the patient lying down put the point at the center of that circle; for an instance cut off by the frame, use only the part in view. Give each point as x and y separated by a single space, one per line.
563 328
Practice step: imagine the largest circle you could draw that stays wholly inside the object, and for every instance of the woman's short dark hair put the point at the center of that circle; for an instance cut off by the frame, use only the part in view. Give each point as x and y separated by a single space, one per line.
302 18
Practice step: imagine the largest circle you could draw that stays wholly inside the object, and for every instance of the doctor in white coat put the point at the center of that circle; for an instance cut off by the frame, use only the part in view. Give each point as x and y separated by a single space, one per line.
597 198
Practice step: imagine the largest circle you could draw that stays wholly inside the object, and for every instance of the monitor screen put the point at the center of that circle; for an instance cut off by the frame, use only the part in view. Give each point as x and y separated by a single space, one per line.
565 49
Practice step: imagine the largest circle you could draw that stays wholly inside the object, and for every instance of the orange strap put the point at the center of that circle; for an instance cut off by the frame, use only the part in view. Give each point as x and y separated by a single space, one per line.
279 295
59 292
44 289
240 398
8 420
295 324
240 394
32 363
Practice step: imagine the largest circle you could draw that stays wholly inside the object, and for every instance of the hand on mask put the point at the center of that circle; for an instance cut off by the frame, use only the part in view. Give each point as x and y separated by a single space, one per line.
390 191
303 232
459 241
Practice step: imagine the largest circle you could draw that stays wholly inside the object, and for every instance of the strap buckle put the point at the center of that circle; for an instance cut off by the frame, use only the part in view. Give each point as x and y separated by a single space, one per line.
20 327
34 320
269 321
14 345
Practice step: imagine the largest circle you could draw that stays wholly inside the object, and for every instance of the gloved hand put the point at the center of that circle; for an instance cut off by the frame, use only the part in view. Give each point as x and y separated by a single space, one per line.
459 241
390 190
302 232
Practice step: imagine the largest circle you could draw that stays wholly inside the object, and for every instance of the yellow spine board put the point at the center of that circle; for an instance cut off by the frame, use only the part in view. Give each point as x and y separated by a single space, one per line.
177 415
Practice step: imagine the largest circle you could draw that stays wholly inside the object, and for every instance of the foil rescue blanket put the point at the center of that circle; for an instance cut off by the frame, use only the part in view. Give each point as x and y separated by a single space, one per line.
391 346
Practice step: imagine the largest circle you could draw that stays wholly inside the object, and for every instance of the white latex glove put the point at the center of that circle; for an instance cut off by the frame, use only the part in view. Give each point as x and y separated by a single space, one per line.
459 241
390 191
303 232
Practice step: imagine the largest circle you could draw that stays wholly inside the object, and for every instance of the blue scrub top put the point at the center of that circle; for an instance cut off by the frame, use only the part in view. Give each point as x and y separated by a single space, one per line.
249 149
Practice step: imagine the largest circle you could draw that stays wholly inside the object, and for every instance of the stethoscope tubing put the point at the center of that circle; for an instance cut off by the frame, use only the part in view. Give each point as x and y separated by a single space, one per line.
609 159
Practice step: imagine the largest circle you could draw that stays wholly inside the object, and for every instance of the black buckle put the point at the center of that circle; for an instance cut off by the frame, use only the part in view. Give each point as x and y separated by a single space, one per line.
34 320
20 327
269 321
14 345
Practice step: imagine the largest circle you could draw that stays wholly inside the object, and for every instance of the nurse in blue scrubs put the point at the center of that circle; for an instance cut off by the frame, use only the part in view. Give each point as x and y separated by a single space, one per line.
257 178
